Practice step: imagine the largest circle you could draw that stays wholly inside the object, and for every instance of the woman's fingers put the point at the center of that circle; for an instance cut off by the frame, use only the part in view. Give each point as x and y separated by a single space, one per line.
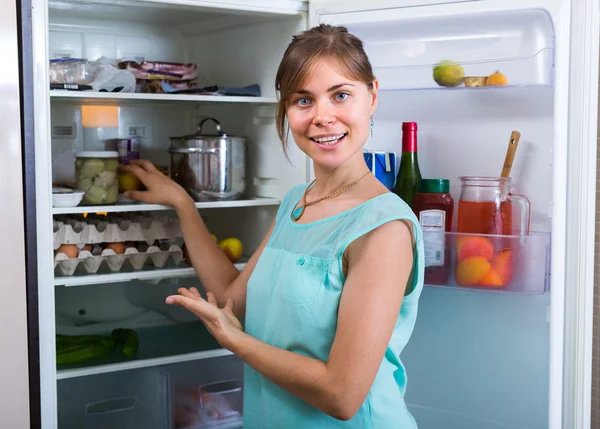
183 291
195 291
199 307
138 196
145 164
212 300
136 170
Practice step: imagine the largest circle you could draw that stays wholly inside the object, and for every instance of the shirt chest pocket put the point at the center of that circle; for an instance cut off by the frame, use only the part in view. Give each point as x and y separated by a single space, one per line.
302 278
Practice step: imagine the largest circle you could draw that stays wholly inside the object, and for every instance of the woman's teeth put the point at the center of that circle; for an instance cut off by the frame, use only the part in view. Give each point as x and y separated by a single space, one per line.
329 140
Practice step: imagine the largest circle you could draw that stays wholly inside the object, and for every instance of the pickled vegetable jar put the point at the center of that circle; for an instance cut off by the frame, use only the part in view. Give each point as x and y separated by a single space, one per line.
96 173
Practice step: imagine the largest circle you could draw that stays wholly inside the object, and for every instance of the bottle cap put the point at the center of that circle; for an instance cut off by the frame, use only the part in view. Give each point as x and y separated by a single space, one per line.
440 186
409 126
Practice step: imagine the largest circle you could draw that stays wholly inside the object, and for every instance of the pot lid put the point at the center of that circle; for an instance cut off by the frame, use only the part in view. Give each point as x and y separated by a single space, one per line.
200 135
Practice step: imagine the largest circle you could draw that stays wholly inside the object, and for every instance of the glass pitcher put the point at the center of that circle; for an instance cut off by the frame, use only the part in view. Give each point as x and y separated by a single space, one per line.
486 207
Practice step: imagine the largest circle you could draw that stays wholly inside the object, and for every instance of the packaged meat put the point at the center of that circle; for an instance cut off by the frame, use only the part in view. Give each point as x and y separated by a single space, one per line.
159 70
75 71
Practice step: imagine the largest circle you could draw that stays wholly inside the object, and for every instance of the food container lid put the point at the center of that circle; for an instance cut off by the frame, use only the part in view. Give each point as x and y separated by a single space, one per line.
200 135
97 154
439 186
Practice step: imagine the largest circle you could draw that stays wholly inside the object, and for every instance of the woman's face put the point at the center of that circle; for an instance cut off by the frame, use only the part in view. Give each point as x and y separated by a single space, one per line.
330 115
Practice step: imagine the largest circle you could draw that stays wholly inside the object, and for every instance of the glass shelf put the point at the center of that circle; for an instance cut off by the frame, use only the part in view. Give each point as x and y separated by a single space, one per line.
404 46
533 71
491 263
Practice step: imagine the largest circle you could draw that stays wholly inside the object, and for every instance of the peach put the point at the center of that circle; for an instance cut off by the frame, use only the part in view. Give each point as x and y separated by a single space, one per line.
502 264
474 246
492 279
472 270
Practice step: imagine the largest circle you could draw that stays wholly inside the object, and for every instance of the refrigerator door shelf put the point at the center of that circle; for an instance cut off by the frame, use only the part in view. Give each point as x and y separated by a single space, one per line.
405 44
488 263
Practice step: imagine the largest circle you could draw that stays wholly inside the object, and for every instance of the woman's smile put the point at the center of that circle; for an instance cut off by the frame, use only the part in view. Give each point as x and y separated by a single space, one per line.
329 141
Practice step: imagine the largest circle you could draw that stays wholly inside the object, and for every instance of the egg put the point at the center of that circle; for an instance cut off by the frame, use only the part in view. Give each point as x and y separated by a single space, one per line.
87 247
118 248
68 249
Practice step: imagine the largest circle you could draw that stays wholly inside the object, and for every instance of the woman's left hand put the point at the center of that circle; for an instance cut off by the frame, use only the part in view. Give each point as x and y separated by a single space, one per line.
220 322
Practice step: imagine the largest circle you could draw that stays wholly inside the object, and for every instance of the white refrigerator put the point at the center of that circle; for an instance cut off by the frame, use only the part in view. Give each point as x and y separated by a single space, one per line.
516 357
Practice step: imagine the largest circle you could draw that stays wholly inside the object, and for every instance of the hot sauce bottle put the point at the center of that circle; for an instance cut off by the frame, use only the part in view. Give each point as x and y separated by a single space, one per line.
434 207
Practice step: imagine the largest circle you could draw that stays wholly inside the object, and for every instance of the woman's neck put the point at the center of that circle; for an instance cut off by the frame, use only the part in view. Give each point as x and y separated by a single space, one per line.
329 181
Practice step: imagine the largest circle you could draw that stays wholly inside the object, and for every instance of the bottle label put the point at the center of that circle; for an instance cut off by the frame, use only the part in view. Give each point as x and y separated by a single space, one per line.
433 224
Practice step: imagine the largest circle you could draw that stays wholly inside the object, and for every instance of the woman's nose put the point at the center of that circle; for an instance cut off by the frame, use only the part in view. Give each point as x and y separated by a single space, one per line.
324 114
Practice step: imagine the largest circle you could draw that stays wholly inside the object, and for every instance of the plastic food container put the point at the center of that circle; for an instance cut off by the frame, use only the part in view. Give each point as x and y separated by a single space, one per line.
65 197
118 413
221 403
96 173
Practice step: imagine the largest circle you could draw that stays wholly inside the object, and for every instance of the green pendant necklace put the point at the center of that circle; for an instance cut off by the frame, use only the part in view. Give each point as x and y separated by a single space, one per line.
299 211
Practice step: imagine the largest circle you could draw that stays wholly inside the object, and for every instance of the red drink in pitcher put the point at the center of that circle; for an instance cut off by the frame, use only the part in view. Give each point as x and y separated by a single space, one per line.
486 207
485 217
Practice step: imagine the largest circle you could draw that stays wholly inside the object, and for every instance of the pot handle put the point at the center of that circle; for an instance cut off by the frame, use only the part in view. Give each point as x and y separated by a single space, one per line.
217 125
212 151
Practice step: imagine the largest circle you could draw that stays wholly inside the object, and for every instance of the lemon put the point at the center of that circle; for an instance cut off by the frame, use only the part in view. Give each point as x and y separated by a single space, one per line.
129 182
232 247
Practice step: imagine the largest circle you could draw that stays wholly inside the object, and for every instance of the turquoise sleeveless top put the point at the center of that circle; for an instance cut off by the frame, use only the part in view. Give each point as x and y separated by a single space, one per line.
292 303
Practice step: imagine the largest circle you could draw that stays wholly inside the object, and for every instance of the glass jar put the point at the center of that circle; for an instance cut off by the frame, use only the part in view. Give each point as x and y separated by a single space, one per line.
97 174
434 207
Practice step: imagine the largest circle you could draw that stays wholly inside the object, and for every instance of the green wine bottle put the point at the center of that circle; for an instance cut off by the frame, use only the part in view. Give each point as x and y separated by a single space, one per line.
409 175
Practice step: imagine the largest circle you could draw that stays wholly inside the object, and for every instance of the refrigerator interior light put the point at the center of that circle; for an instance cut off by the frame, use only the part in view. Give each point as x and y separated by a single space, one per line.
99 116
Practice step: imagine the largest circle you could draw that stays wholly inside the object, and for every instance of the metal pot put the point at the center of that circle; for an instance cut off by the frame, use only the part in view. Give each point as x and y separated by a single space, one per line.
209 166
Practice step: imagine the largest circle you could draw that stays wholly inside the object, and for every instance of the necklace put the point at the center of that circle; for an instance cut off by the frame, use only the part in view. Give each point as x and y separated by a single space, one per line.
299 211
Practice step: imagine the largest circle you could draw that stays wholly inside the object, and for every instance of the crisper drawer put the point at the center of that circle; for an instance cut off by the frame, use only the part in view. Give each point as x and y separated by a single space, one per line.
197 394
132 399
207 394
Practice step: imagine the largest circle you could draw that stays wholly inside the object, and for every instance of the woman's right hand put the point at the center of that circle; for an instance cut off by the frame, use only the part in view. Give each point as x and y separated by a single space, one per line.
160 189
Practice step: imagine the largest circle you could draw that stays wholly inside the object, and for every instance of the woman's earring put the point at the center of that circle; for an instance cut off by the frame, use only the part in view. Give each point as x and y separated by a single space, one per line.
372 124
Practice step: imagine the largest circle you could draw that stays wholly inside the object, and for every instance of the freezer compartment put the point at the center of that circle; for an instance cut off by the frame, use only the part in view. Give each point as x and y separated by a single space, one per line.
405 44
125 400
493 263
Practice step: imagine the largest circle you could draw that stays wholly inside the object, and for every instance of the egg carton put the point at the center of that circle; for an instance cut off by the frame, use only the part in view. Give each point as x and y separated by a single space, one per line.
70 230
137 257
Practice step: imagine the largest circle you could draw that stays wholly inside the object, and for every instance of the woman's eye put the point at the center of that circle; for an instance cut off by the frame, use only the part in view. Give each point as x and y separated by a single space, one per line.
302 102
341 96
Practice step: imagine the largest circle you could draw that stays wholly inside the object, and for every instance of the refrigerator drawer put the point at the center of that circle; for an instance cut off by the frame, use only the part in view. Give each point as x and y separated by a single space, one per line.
119 400
165 397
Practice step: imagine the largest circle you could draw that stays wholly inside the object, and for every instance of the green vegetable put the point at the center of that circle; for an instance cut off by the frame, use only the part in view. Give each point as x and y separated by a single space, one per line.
105 179
91 167
63 341
82 352
95 195
127 339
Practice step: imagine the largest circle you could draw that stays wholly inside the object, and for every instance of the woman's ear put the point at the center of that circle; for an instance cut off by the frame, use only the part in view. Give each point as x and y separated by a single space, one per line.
374 91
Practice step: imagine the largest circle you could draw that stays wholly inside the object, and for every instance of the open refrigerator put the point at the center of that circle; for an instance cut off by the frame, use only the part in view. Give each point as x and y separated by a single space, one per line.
519 357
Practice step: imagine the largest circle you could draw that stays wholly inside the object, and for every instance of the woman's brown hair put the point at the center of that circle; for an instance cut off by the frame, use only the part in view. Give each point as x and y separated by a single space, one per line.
306 48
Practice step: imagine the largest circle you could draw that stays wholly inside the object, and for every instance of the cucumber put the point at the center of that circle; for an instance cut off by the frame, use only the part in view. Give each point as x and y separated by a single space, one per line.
83 352
63 341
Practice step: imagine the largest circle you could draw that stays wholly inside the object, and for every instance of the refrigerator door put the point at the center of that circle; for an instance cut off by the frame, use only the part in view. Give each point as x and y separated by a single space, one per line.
487 360
15 390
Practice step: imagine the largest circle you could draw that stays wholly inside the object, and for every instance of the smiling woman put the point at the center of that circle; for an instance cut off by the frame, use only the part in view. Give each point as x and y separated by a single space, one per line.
330 296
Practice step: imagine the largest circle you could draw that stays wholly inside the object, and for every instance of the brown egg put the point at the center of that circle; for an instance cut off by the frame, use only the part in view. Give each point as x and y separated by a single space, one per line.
87 247
68 249
118 248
